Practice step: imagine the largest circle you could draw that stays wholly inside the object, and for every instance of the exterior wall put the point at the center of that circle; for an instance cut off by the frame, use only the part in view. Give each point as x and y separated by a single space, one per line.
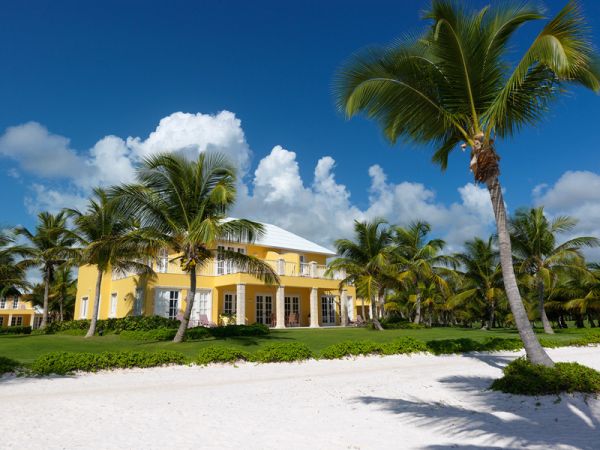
24 310
125 287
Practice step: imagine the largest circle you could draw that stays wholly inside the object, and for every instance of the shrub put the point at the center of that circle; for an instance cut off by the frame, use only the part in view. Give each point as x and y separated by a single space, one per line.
283 352
445 346
525 378
218 354
129 323
499 344
160 334
15 330
62 363
8 365
196 333
403 346
351 348
400 324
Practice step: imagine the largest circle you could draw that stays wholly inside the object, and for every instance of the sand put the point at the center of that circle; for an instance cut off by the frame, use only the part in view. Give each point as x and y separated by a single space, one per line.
399 402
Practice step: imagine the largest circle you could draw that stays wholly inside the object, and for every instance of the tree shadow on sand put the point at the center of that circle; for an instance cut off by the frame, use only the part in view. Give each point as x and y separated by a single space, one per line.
499 420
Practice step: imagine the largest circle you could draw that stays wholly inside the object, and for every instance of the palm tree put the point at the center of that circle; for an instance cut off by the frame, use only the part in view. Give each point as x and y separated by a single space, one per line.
110 240
454 83
64 291
585 293
482 277
419 261
12 270
537 253
48 247
365 260
185 204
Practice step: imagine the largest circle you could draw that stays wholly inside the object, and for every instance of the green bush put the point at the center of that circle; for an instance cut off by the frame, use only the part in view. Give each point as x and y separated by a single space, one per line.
522 377
160 334
15 330
283 352
62 363
400 324
446 346
218 354
499 344
196 333
351 348
8 365
404 346
129 323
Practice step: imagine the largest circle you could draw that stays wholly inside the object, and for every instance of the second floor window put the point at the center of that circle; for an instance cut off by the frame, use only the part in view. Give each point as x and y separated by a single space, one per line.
162 262
15 303
2 303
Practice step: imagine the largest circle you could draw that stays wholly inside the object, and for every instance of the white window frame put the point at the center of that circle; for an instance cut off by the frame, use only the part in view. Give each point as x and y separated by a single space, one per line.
114 300
197 310
16 321
15 303
223 267
304 267
84 307
288 305
3 303
138 302
162 262
263 318
173 310
233 299
327 307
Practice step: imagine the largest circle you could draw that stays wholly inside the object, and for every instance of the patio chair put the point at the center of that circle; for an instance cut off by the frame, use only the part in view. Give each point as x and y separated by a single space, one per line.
293 320
359 321
204 322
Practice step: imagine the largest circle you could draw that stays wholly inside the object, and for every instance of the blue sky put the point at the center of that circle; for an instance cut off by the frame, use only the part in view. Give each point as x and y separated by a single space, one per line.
87 70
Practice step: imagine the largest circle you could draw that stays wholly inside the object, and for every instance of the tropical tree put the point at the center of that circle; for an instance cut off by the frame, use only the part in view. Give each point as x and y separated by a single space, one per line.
366 261
49 246
12 269
481 277
455 83
584 293
419 261
110 240
538 254
185 204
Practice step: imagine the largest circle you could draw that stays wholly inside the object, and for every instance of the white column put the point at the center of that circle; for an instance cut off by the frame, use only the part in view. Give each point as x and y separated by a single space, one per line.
312 269
281 267
240 307
9 320
344 307
280 307
314 308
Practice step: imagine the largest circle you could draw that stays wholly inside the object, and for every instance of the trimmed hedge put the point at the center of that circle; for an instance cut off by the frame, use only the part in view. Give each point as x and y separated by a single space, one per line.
256 329
219 354
464 345
63 363
160 334
524 378
129 323
8 365
404 346
197 333
15 330
351 348
283 352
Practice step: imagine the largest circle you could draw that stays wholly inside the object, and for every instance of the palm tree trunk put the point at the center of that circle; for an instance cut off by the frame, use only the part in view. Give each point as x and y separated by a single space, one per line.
376 323
545 322
418 309
188 307
46 294
60 309
535 352
491 317
94 321
364 316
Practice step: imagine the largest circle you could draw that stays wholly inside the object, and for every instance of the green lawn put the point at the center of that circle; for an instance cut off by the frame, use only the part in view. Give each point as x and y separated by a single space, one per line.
25 348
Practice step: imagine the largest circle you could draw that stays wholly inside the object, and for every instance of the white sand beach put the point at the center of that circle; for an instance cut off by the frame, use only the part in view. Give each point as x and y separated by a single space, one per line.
399 402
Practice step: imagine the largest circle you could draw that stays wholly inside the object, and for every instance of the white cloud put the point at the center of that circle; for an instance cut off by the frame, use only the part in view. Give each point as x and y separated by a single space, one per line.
112 159
322 210
576 194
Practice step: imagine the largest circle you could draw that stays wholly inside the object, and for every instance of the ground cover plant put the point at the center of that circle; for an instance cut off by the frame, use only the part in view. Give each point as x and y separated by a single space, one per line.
8 365
524 378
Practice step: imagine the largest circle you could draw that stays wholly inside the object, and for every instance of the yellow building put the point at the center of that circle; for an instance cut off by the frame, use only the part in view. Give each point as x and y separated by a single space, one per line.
306 295
15 312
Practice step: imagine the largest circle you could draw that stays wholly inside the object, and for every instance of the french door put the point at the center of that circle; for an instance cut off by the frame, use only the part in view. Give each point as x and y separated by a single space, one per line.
264 309
202 308
113 305
328 310
292 306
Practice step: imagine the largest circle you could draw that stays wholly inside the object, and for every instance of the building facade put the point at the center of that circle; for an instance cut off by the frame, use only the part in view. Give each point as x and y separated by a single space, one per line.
306 296
14 312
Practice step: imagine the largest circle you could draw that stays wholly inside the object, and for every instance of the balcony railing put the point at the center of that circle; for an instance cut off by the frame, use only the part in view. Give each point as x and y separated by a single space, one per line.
218 268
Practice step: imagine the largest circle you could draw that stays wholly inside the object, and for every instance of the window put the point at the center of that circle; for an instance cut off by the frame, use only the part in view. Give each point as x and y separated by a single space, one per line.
264 309
37 322
328 310
292 306
304 267
15 303
2 303
225 266
162 262
84 307
16 321
230 304
1 321
173 304
138 302
113 305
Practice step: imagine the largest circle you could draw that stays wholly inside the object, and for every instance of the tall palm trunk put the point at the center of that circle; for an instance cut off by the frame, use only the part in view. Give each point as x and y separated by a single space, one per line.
188 307
362 309
46 294
94 321
418 309
61 316
376 323
545 322
535 352
491 316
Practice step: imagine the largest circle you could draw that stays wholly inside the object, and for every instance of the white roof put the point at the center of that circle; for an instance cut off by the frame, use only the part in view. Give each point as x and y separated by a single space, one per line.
277 237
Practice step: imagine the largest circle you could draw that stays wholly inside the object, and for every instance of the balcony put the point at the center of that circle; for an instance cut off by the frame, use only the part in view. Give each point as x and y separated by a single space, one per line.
218 268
